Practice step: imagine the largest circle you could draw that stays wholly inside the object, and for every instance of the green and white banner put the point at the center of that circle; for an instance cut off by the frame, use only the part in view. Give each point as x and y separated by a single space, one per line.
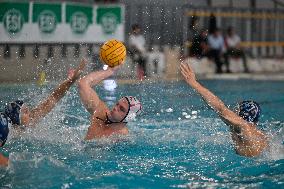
46 16
13 16
109 18
35 22
79 18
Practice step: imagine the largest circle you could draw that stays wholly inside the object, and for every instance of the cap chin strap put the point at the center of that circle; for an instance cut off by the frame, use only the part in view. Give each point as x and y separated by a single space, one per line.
108 121
127 111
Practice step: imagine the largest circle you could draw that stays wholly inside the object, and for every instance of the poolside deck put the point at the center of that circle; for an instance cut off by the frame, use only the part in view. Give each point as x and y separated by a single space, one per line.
231 76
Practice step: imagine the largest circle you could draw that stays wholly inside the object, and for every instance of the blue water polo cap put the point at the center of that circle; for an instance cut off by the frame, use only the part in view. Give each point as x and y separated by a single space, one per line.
12 110
4 129
249 111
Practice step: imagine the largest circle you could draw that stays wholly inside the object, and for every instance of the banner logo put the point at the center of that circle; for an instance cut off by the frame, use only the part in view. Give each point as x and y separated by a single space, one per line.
13 21
109 23
47 21
79 22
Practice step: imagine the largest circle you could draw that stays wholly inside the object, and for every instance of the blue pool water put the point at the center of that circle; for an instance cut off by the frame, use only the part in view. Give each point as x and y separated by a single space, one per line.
178 142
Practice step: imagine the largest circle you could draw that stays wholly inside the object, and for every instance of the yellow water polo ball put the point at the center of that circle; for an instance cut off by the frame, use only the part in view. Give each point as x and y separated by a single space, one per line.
113 53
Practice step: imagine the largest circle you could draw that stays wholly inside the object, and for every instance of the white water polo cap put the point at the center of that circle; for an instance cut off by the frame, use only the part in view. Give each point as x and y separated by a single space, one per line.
135 108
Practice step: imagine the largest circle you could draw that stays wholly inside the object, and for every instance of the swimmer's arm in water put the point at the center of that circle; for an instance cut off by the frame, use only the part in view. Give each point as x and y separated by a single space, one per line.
49 103
88 95
3 160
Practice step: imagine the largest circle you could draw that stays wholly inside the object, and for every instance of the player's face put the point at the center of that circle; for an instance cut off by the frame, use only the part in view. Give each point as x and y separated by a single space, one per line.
119 111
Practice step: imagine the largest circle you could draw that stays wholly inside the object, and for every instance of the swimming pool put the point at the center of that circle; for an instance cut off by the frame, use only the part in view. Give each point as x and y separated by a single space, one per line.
178 142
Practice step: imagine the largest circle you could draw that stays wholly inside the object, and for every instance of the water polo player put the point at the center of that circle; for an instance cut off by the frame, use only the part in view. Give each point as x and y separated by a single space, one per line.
17 114
105 122
248 139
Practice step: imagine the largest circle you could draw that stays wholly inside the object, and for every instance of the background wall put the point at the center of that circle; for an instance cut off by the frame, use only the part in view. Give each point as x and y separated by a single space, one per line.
165 23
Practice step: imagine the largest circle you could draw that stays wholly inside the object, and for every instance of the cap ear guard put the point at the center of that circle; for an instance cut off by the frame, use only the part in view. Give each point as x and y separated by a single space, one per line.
135 108
130 117
12 110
